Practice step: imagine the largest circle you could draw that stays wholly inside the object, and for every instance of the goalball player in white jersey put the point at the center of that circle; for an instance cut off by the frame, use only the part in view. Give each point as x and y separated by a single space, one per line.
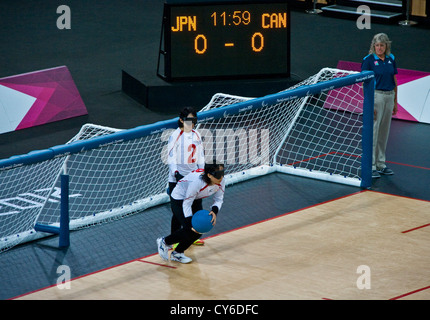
195 186
185 154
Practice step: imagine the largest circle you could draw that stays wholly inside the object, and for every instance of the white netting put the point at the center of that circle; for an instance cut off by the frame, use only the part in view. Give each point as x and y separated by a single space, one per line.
312 135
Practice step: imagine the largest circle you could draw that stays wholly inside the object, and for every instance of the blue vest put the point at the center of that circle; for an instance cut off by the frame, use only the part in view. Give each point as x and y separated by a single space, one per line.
384 70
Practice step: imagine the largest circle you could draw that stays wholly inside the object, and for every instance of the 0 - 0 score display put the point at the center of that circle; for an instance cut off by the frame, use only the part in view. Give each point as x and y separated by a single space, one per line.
224 19
227 40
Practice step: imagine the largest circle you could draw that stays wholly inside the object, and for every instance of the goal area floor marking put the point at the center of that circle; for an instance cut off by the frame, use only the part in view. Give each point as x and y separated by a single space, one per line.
314 253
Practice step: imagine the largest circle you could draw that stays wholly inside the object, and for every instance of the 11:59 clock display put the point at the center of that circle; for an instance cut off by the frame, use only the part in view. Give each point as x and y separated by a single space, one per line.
226 40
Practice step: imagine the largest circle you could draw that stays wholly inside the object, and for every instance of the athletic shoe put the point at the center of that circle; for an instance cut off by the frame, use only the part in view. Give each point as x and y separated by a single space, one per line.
375 174
163 249
386 171
199 242
180 257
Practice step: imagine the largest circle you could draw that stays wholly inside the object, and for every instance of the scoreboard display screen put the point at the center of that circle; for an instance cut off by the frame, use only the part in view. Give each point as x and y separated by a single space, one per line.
226 39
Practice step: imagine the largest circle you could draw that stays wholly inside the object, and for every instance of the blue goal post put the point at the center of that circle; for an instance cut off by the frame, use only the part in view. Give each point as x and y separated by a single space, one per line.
320 130
366 77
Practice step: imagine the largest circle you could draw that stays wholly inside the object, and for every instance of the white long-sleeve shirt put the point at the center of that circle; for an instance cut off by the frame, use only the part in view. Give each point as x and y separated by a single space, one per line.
193 187
185 153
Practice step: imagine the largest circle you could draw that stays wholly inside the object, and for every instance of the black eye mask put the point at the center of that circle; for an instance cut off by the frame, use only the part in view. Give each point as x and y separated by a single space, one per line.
192 119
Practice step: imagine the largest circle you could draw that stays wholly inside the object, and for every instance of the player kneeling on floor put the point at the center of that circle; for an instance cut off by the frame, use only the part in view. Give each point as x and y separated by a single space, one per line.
196 185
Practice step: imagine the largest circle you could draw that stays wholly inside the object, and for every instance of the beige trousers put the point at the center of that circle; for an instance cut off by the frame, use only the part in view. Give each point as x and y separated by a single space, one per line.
384 105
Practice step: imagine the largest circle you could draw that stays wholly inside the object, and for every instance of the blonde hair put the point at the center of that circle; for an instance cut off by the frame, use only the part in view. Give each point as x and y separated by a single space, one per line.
380 38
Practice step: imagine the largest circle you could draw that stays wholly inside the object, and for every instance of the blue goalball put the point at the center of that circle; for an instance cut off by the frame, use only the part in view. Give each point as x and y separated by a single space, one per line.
201 221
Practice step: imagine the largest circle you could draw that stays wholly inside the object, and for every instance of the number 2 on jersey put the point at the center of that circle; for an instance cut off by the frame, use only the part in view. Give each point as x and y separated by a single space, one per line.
192 148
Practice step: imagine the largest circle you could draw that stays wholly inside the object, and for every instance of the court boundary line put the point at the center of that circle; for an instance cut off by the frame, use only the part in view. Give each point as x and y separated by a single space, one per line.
336 153
413 229
410 293
287 213
79 277
408 165
157 264
406 197
399 296
141 259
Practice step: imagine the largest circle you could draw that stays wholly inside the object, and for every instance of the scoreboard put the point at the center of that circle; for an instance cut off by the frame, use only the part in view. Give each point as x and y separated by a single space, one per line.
218 39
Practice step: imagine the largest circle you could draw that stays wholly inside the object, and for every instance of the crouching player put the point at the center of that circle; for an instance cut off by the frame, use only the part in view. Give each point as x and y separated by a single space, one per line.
196 185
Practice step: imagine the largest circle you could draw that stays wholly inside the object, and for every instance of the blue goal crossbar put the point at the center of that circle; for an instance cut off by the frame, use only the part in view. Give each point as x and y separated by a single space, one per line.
367 77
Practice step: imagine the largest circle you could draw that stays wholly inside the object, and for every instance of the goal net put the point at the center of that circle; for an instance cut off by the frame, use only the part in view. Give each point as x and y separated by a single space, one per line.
317 134
315 129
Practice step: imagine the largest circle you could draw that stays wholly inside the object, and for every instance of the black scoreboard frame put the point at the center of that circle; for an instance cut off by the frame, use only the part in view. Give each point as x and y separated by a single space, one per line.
179 63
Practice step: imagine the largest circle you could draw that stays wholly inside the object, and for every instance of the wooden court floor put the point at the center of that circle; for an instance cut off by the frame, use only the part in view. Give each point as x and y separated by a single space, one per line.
365 246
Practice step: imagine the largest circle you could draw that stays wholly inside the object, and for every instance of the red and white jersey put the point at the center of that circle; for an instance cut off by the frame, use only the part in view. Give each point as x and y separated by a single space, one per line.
185 153
193 187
